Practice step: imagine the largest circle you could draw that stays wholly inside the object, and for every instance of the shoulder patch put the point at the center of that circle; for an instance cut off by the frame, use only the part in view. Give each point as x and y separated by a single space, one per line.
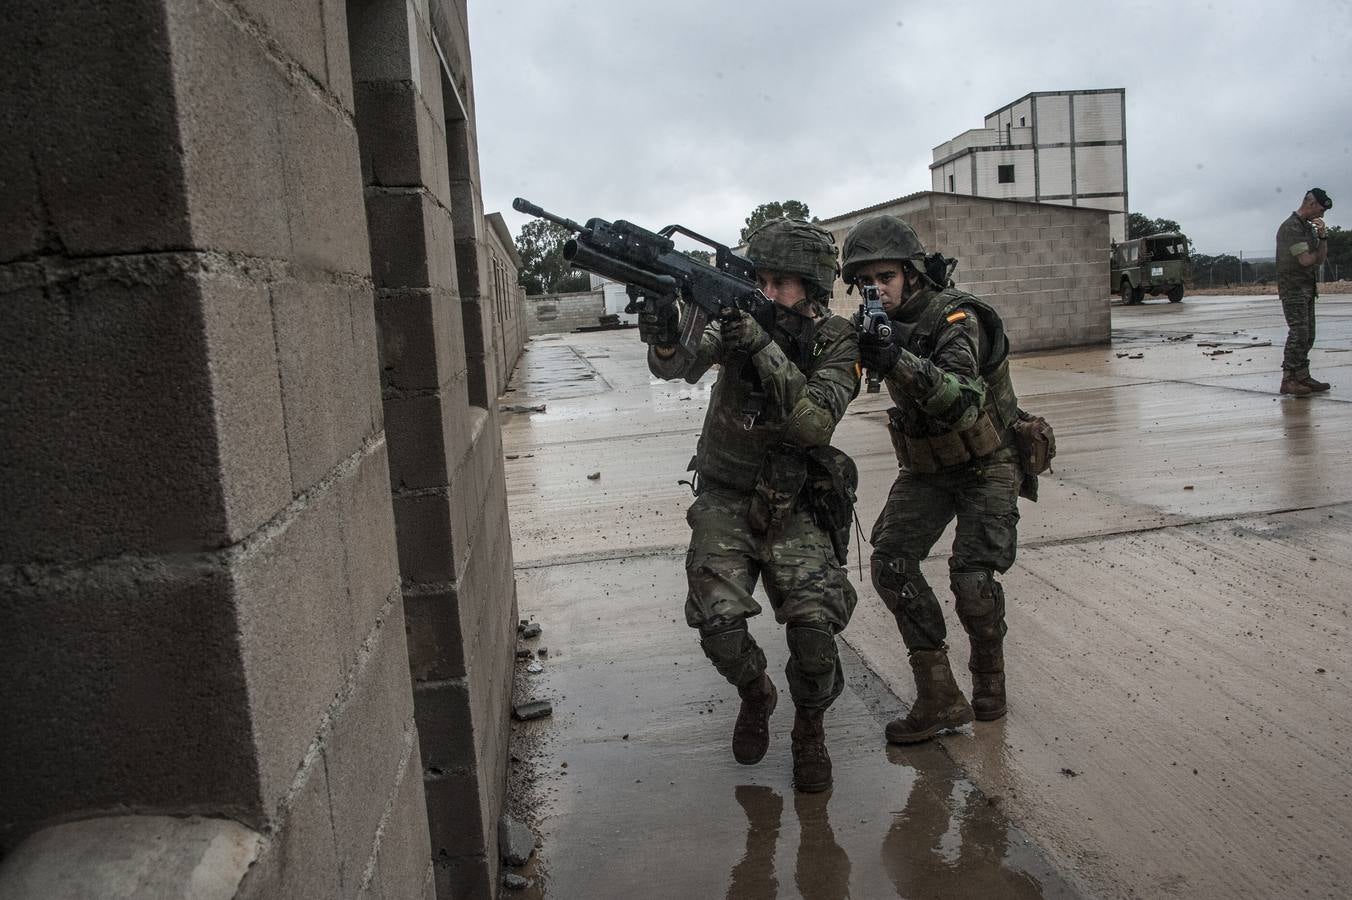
954 318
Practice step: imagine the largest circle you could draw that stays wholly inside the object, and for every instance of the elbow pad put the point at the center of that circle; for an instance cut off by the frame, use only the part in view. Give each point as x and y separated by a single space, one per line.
809 425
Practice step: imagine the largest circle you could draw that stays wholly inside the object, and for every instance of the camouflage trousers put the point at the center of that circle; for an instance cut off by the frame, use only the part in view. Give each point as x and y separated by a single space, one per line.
984 498
1298 308
807 588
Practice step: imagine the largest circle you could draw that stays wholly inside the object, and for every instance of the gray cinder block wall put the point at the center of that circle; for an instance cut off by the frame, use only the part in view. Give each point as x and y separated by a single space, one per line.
1043 267
446 342
507 295
560 313
225 545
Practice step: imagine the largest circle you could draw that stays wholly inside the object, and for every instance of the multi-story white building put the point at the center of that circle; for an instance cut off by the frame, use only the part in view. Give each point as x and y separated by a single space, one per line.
1064 147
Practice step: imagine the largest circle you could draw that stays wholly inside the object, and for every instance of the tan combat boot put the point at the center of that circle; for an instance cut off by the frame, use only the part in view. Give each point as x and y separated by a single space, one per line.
939 704
751 734
1314 384
811 762
987 666
1291 384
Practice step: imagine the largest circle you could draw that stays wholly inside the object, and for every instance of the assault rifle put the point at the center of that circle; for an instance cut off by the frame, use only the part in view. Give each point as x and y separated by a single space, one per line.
656 275
872 319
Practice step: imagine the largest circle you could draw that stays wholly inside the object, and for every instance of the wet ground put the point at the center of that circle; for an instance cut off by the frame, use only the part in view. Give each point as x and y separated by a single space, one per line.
1178 653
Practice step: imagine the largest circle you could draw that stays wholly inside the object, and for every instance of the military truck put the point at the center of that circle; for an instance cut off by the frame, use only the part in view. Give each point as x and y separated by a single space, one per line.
1152 265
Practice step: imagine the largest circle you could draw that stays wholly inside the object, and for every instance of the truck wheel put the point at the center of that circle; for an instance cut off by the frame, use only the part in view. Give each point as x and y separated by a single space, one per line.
1129 294
1176 294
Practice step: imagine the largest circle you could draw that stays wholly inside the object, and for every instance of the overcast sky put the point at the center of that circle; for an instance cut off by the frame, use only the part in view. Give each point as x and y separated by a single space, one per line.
697 111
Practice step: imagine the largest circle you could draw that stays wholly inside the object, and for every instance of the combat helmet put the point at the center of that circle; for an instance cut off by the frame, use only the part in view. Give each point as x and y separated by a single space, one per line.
878 239
797 248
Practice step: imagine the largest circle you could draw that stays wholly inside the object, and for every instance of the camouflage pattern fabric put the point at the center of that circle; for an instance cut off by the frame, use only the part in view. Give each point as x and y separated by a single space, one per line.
1298 289
808 374
982 494
796 565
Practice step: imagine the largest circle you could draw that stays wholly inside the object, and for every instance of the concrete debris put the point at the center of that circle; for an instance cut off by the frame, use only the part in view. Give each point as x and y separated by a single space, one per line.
535 709
594 476
535 668
516 842
1069 773
523 653
513 455
521 408
514 882
542 652
1181 337
528 631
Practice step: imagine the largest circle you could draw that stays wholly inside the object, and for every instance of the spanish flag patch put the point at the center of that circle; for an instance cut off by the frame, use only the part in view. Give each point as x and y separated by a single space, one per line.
957 317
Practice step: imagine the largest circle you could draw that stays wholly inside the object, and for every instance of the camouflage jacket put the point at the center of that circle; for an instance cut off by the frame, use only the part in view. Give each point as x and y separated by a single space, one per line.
1294 237
954 362
808 374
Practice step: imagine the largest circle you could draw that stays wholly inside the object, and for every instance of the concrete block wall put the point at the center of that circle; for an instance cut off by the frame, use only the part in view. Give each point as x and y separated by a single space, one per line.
198 567
446 343
504 264
1043 267
561 313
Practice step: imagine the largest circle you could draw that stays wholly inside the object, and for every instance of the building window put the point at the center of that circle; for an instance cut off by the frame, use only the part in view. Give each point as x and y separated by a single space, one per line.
951 189
1005 174
1021 121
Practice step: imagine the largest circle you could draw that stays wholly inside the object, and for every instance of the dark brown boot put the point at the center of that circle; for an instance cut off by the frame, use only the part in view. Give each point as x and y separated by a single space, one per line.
1314 384
987 666
811 762
939 704
1291 384
751 734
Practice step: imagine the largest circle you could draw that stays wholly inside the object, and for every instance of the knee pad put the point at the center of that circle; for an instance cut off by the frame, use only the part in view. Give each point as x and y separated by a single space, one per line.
731 649
980 602
813 648
897 581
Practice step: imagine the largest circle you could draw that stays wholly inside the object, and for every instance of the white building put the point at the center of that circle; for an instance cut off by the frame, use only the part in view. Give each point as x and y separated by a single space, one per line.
1064 147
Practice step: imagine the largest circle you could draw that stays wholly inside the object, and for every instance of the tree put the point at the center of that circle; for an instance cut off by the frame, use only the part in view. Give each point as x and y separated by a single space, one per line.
703 256
543 268
1339 263
789 209
1139 226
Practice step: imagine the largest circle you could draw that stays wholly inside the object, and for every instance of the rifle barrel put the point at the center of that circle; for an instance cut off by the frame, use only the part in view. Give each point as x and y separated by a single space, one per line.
522 205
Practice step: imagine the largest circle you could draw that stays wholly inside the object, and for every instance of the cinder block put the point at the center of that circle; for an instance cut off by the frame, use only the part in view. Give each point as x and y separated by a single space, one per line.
150 643
100 122
292 600
366 745
329 383
417 328
410 240
466 876
435 639
302 860
403 861
455 816
427 544
324 204
21 226
378 34
416 433
296 27
446 728
371 558
177 424
229 93
392 126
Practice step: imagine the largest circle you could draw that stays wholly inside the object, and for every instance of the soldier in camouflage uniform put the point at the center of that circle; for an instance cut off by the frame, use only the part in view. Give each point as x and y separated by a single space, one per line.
1302 247
947 371
753 517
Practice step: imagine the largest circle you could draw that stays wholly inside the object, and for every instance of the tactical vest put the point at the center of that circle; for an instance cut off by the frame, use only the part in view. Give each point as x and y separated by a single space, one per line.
925 445
729 454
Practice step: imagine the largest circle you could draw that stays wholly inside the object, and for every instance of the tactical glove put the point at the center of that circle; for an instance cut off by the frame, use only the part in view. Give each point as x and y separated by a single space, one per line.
744 333
660 326
878 355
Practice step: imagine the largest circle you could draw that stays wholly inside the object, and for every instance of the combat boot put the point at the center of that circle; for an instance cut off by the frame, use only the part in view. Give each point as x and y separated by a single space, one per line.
811 762
1291 384
987 666
1314 384
751 734
939 704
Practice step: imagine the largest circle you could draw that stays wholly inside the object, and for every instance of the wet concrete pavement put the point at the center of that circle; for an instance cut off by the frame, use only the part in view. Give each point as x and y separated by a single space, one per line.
1178 649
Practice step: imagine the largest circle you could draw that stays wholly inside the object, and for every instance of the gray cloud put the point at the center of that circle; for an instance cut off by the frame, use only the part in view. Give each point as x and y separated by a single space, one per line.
697 112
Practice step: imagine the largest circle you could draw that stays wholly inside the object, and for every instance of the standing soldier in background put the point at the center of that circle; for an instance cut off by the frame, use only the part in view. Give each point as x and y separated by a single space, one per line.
761 510
1302 247
946 368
